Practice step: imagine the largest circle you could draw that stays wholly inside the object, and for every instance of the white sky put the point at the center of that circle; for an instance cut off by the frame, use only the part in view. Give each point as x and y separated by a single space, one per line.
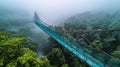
52 10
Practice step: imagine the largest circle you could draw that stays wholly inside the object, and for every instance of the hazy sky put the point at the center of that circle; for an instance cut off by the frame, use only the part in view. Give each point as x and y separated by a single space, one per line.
53 10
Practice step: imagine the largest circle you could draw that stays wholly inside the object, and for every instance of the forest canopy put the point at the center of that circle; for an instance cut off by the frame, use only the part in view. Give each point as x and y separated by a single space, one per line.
14 52
100 30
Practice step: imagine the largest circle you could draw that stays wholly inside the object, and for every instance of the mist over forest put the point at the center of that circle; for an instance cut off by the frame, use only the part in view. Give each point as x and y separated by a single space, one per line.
93 23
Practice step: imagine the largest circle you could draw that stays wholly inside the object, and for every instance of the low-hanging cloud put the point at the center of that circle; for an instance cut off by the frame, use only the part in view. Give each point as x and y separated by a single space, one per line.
19 13
52 10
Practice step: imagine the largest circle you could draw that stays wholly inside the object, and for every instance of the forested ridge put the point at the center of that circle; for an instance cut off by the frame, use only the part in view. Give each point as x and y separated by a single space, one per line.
99 30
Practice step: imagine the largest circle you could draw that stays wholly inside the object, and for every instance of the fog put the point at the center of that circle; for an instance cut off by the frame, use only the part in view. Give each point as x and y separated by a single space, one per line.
53 10
18 14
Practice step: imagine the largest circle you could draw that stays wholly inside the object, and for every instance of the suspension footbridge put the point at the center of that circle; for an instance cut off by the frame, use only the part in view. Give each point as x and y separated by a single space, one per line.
85 53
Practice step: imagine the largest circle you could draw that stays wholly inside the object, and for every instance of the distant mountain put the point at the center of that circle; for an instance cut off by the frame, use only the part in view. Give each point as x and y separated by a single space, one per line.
100 19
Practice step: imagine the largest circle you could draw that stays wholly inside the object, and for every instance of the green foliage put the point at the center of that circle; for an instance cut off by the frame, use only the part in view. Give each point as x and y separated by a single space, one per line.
65 65
115 24
99 30
29 60
61 57
100 21
72 60
56 57
113 63
15 54
116 53
1 62
97 44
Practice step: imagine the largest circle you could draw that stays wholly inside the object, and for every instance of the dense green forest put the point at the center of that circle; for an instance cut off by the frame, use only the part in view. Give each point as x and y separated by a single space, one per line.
100 30
18 51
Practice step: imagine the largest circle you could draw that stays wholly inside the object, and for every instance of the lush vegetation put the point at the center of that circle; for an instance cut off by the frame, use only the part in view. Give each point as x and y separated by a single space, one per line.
61 57
100 30
18 51
15 52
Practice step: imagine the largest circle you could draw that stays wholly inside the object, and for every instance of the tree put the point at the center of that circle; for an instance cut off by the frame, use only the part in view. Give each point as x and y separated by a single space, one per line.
9 47
56 57
61 57
15 54
116 53
97 44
